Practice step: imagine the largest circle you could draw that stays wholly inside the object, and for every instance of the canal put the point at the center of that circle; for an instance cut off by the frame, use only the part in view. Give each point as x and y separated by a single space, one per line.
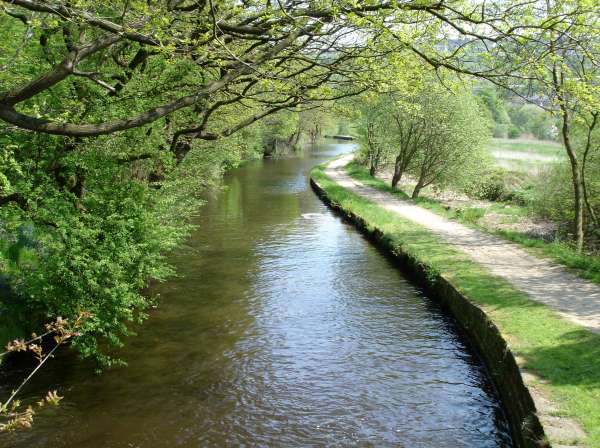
286 328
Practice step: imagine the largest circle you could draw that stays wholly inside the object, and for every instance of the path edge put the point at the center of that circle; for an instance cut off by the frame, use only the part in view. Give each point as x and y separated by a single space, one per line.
505 373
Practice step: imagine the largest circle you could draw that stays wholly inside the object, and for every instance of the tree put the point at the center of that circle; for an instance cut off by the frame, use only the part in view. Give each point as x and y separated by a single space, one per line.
115 113
375 137
410 137
590 165
495 105
534 120
561 56
448 137
315 120
386 135
431 133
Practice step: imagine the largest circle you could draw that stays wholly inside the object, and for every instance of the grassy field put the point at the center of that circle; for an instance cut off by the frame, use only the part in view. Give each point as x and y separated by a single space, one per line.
525 156
564 355
532 147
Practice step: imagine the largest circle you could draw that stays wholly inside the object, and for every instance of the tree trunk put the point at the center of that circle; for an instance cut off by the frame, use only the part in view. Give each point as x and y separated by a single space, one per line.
577 178
291 138
397 174
576 175
372 170
590 209
297 137
417 190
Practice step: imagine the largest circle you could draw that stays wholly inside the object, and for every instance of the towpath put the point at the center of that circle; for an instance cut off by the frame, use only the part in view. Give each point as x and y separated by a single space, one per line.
574 298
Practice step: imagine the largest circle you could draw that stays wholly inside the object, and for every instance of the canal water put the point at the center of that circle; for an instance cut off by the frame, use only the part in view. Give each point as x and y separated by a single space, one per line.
286 329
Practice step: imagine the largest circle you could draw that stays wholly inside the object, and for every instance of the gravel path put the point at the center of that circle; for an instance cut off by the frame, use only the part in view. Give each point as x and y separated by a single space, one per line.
574 298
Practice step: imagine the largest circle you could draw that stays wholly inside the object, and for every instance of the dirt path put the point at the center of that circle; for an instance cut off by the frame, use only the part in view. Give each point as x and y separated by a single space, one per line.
574 298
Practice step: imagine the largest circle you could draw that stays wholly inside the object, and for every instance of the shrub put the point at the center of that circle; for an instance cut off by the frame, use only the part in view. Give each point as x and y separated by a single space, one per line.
94 249
533 120
551 197
523 196
489 185
514 132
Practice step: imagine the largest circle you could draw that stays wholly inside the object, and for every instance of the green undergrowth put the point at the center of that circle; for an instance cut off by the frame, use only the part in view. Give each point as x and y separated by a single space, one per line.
583 265
565 355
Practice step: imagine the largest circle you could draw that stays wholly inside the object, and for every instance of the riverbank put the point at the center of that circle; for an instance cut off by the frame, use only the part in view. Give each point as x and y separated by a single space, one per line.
558 360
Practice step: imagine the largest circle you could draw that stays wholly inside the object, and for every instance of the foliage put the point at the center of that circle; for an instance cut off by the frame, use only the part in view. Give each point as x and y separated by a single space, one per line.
512 117
562 61
489 184
94 247
431 133
316 121
453 134
514 132
551 195
116 114
130 104
280 128
13 415
495 107
532 119
376 137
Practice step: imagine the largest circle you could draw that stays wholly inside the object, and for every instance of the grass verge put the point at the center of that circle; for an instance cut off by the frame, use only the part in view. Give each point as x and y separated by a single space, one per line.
583 265
563 354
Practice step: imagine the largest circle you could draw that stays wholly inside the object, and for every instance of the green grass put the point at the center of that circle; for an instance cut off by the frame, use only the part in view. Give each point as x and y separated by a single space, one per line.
510 210
538 156
541 147
583 265
529 168
566 356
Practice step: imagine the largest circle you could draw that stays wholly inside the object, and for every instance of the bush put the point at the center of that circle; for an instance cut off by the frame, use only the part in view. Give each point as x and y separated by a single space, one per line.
489 185
552 197
534 120
93 251
514 132
471 215
521 196
501 130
